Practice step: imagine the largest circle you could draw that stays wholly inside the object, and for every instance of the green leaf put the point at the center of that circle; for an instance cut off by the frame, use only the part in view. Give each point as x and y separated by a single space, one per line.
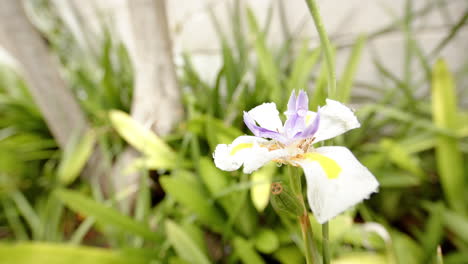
289 255
245 250
405 249
400 157
143 140
266 241
260 192
456 223
213 178
185 247
347 78
185 189
75 156
267 65
45 253
29 214
103 214
361 258
320 90
448 155
361 235
433 233
406 117
393 179
302 68
215 130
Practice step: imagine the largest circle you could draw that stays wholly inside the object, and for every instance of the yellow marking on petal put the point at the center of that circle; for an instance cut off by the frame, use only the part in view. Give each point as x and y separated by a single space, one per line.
239 147
331 167
307 119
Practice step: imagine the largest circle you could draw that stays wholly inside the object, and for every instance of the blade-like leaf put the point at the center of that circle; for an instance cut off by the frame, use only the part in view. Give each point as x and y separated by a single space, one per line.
185 247
448 156
143 140
347 78
75 156
103 214
44 253
187 191
267 66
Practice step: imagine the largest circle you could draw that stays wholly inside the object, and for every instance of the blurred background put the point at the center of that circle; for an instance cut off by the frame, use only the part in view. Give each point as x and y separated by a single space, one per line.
110 112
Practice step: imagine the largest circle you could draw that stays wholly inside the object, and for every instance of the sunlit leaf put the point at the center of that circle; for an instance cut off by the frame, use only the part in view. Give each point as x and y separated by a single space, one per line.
448 156
143 140
260 192
103 214
47 253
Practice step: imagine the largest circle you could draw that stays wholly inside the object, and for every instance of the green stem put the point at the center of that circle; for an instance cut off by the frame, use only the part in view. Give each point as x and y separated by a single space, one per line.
325 248
325 43
309 246
310 250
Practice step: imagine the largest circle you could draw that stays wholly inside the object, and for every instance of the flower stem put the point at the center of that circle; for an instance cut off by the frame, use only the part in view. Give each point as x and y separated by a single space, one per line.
325 43
310 250
309 246
325 248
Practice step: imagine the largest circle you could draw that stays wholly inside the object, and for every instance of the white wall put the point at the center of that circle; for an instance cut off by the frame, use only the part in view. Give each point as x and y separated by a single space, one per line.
193 29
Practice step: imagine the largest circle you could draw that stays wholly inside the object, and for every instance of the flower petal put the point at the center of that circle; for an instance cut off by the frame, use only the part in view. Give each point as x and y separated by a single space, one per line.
291 105
245 150
311 128
329 196
267 116
260 131
335 119
302 103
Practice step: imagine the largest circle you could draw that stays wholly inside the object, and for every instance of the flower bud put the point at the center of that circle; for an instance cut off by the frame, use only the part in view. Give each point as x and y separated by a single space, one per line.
283 200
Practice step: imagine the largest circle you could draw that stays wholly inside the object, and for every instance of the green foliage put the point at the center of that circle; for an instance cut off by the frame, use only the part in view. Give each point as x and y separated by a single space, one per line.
185 247
448 155
47 253
75 156
103 214
187 210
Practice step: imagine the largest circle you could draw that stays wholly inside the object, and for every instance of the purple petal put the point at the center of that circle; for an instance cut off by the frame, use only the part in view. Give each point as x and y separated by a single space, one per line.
302 103
260 131
291 104
293 125
310 130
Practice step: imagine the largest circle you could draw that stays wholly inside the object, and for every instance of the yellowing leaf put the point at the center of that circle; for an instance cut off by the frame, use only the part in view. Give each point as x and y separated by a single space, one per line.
260 193
49 253
158 152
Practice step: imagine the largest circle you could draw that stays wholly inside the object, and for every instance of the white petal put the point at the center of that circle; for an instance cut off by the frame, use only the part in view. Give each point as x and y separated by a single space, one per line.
335 119
267 116
330 197
245 150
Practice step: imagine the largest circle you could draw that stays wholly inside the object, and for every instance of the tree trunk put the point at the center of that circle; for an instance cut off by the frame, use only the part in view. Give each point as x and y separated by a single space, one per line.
156 98
40 69
156 101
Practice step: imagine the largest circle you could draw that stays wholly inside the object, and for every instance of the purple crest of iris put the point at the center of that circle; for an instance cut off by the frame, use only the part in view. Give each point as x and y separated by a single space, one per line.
295 127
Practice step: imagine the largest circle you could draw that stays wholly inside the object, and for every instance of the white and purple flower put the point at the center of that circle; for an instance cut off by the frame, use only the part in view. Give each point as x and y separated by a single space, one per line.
336 180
